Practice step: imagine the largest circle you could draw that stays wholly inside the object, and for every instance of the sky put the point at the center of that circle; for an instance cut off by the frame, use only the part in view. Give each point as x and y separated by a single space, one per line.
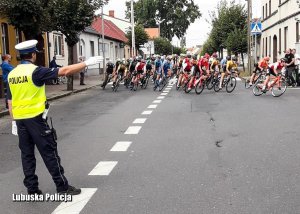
197 32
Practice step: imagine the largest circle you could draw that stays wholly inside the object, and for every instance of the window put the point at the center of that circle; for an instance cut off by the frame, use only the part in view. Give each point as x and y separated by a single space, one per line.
285 37
4 38
263 46
18 36
105 49
279 50
92 48
263 12
266 10
270 45
270 9
266 46
297 32
58 44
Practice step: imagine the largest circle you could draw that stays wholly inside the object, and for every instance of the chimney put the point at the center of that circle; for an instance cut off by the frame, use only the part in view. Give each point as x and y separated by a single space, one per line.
111 13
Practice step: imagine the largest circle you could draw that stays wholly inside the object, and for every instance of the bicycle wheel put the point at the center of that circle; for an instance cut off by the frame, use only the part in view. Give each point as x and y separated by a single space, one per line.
231 84
162 85
63 79
279 88
54 81
257 88
247 81
210 83
200 87
145 84
216 85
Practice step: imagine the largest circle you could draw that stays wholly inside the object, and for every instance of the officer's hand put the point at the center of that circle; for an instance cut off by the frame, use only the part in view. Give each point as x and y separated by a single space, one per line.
93 60
14 129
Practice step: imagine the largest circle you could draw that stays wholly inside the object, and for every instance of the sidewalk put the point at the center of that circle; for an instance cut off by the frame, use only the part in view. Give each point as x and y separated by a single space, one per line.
58 91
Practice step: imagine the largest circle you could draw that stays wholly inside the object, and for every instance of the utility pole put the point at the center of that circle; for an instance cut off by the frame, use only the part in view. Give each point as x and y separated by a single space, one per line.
249 20
103 46
132 26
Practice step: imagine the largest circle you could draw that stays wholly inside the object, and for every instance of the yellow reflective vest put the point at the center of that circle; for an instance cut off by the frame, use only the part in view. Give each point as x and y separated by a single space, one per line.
28 100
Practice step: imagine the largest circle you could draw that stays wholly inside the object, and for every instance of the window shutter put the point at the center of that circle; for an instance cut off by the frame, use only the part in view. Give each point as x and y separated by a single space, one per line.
62 46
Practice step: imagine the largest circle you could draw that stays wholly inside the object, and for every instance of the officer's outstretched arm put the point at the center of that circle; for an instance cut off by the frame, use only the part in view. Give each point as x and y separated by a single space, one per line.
76 68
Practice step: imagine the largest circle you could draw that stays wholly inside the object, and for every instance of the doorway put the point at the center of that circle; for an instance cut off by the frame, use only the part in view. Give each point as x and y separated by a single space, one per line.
275 50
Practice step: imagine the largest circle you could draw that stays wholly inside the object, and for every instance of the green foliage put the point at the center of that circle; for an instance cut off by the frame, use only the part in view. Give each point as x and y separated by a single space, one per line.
230 20
141 37
175 15
236 41
162 46
178 50
35 16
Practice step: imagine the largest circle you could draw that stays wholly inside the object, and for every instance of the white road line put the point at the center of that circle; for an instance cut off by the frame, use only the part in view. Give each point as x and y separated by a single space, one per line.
103 168
139 120
166 91
163 94
133 130
293 88
169 87
146 112
78 202
157 101
238 79
121 146
160 97
152 106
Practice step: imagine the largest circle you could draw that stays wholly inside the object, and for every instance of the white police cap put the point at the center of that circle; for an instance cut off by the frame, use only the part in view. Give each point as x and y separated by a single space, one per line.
27 46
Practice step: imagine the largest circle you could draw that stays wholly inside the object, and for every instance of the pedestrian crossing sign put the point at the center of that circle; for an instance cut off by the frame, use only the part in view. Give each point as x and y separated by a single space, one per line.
256 28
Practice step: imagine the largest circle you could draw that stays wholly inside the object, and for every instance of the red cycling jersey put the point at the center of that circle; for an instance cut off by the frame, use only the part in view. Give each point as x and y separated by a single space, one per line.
141 66
276 66
204 63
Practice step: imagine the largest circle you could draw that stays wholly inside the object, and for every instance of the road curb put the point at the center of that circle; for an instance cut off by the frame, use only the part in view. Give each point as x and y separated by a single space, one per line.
56 97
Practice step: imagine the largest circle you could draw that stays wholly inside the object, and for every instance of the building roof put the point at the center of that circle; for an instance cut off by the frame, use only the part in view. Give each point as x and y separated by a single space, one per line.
110 29
152 32
91 30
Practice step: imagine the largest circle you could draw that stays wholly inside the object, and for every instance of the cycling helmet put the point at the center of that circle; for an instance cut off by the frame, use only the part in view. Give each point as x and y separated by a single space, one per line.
206 56
228 58
283 59
139 59
188 56
234 58
142 60
215 55
267 58
194 57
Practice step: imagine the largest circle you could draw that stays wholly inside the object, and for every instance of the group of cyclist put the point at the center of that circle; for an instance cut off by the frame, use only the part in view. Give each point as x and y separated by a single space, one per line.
134 70
264 65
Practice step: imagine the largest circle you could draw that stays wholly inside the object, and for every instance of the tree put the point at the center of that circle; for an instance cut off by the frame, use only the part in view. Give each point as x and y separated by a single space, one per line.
67 16
175 15
208 47
141 37
236 42
162 46
30 16
178 50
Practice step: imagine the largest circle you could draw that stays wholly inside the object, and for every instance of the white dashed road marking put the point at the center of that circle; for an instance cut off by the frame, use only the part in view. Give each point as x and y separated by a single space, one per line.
103 168
157 101
78 202
139 120
160 97
152 106
166 91
121 146
133 130
146 112
163 94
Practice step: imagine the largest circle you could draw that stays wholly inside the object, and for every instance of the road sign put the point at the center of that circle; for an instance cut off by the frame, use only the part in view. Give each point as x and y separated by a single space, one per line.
256 28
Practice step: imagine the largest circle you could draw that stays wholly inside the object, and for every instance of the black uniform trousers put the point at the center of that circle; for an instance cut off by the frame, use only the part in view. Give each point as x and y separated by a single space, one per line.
36 132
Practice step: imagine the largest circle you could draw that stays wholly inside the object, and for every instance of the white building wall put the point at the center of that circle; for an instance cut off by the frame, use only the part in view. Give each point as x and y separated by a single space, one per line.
62 58
86 50
278 18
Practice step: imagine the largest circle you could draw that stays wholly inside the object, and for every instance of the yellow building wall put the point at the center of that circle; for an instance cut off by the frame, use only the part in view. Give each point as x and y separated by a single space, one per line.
12 42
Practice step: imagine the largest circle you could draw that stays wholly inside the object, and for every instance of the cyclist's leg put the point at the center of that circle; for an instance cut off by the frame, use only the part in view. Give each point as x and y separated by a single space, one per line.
269 71
222 79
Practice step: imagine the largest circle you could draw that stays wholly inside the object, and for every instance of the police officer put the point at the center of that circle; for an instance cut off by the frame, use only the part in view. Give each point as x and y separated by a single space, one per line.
27 103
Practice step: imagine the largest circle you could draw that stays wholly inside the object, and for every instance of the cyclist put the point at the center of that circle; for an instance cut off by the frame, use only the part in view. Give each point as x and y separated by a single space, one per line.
132 68
109 71
186 66
195 72
158 70
274 69
204 67
262 65
121 69
231 64
214 65
166 67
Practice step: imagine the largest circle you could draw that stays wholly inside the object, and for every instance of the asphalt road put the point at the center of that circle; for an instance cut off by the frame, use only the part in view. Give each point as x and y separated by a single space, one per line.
208 153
